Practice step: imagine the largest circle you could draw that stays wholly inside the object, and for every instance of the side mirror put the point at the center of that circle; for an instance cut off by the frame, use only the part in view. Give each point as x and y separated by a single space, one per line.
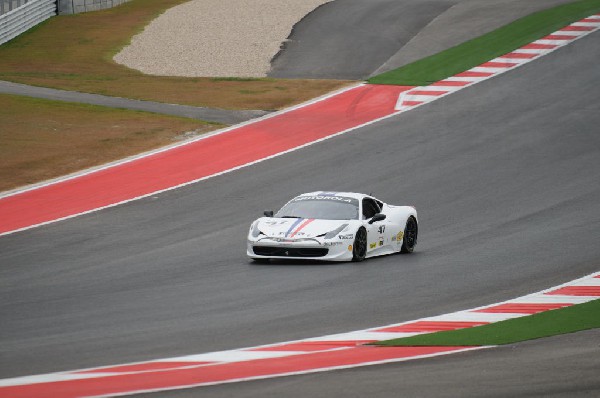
268 213
377 217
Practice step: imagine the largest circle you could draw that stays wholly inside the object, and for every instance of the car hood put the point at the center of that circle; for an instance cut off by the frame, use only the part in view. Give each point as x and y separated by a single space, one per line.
297 227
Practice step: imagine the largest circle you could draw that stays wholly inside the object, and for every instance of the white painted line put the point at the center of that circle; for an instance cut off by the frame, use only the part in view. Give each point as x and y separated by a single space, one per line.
464 79
363 335
552 42
571 32
590 282
469 316
531 51
490 69
590 24
508 59
551 298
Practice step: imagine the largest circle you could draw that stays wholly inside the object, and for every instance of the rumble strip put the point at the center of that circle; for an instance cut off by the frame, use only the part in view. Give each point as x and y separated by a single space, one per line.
529 52
338 351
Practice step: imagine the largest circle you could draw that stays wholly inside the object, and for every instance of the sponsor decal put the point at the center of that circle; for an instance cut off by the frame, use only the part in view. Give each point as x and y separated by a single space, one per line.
373 245
322 197
381 242
399 236
271 223
333 243
394 238
348 236
349 248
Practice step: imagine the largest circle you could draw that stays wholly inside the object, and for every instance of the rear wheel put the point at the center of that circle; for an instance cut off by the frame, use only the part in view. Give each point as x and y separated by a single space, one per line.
359 250
411 231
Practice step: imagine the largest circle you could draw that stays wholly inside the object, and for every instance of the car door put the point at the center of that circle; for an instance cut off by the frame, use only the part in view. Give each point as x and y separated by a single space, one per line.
378 233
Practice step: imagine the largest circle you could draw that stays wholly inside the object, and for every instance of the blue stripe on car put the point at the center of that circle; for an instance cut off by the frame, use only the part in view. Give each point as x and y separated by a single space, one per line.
298 221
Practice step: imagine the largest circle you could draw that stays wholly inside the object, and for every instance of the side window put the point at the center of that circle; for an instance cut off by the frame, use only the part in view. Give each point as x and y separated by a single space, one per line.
370 208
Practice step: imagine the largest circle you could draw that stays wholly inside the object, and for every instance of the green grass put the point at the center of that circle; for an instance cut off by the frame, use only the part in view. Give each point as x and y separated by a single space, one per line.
491 45
544 324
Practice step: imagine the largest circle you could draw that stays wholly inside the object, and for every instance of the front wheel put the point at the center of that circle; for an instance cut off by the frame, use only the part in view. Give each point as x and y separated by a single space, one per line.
410 235
359 250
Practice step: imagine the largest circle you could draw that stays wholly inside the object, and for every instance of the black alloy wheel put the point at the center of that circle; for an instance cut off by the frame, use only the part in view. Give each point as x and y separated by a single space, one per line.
359 250
410 235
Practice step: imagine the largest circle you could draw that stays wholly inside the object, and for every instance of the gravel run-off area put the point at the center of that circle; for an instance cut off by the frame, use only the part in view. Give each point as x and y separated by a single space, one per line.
215 38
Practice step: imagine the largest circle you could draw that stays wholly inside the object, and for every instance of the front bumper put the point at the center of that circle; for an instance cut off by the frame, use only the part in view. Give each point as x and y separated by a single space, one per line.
316 249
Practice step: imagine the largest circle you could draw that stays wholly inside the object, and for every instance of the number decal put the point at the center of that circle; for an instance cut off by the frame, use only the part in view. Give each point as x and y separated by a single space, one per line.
381 229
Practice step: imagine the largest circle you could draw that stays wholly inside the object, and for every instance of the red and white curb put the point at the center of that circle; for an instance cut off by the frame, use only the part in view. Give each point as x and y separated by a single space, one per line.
318 354
529 52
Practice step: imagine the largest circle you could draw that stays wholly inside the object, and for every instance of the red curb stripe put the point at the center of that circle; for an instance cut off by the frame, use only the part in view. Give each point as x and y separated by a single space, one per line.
411 103
301 227
492 64
536 46
577 291
523 308
593 20
141 367
519 56
431 326
558 37
474 74
170 379
432 93
450 83
572 28
200 159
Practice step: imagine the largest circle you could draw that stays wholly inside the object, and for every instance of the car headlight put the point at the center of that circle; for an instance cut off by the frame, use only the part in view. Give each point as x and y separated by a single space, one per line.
254 231
335 232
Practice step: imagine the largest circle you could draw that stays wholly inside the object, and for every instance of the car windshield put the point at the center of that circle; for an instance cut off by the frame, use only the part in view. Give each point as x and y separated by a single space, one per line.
321 207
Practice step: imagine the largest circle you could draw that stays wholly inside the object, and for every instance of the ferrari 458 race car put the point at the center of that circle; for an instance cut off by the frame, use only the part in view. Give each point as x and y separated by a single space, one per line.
333 226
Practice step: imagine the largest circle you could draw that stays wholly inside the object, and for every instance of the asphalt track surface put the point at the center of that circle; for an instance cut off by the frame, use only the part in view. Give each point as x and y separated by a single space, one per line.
504 175
354 39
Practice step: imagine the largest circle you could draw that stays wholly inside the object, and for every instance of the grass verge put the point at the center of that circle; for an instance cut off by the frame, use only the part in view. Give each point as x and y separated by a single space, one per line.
545 324
74 52
491 45
41 139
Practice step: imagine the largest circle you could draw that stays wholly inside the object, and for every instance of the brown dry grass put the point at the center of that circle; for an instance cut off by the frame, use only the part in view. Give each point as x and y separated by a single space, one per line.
74 52
42 139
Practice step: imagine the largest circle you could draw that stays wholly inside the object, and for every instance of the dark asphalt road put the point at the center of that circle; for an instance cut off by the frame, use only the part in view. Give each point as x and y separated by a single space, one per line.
354 39
504 174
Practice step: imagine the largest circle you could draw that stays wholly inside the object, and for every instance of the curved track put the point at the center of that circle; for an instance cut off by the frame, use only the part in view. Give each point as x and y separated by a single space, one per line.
353 39
505 178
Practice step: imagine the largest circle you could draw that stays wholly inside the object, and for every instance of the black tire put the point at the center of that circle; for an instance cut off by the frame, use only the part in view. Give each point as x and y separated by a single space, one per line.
411 232
359 249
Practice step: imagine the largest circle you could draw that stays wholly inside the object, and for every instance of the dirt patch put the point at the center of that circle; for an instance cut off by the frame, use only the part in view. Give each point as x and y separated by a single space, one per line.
42 139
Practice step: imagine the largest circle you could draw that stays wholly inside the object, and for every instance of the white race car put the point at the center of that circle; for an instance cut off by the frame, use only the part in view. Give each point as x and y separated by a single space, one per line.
333 226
